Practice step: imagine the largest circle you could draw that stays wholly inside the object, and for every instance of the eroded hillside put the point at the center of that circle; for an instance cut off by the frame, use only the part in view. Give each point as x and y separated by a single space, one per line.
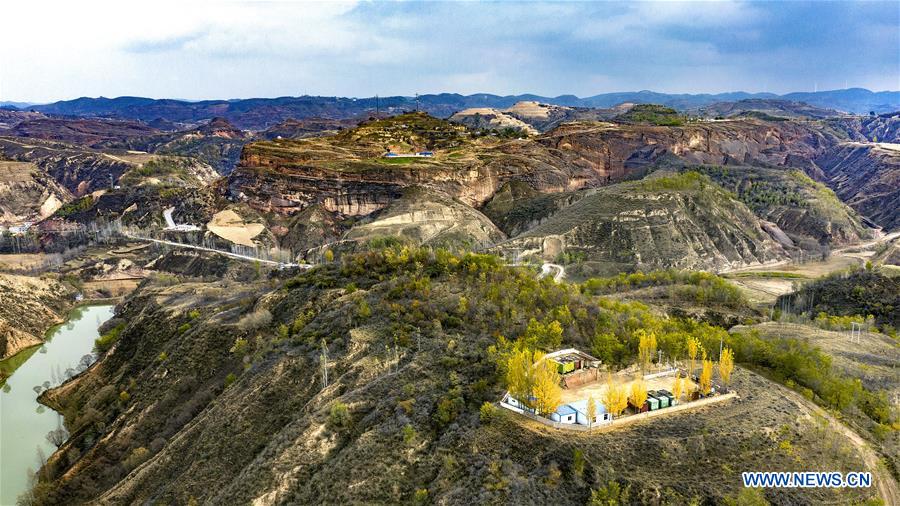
215 392
29 307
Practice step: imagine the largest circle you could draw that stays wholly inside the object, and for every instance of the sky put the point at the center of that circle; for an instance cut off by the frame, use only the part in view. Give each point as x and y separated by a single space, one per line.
216 49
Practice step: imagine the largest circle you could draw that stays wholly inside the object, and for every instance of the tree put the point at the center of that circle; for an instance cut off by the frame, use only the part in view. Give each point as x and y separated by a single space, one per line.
547 335
329 255
615 398
646 347
677 387
726 365
638 393
693 348
57 436
546 390
706 377
519 375
612 494
591 411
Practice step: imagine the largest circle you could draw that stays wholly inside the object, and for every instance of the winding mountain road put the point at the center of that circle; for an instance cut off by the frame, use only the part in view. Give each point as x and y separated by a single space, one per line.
884 481
547 268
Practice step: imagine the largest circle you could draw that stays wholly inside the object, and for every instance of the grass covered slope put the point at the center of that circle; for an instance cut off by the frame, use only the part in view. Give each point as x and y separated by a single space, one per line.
810 213
857 293
681 221
214 392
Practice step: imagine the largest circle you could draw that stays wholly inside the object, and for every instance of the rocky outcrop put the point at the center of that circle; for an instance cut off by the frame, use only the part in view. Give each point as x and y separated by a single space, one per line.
30 307
881 128
27 193
684 222
426 217
79 170
528 116
217 143
81 131
867 177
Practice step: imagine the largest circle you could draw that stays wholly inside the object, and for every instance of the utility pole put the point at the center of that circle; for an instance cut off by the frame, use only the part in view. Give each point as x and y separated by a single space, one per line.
417 102
376 106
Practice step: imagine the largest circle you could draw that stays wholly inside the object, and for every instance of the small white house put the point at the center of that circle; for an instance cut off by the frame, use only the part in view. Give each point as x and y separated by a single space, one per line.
601 416
564 414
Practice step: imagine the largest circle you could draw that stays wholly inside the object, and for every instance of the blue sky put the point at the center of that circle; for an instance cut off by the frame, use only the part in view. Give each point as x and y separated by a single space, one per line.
208 49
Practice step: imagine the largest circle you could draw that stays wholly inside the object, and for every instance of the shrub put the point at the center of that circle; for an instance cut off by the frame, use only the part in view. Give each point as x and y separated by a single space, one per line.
409 434
487 413
364 311
612 494
240 346
184 328
255 320
339 416
421 496
106 341
137 457
231 378
578 463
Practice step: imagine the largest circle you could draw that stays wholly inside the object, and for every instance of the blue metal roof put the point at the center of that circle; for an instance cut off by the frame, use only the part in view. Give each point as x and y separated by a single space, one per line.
581 406
565 409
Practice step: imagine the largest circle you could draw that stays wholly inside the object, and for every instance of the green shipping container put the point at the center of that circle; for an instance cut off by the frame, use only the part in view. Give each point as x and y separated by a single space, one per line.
663 400
653 402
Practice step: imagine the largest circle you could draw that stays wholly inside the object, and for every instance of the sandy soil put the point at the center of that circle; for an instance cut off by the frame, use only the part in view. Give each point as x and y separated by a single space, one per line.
228 225
598 389
22 260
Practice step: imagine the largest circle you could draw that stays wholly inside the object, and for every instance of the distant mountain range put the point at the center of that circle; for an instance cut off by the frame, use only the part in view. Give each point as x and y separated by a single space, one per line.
261 113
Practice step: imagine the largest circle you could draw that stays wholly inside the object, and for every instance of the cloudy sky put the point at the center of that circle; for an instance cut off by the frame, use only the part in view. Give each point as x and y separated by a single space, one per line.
217 49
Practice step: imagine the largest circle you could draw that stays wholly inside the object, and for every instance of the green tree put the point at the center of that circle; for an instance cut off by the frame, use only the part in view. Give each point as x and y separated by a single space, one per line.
612 494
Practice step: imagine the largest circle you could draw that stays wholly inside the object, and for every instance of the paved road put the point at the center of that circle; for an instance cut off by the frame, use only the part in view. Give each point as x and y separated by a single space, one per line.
221 252
546 268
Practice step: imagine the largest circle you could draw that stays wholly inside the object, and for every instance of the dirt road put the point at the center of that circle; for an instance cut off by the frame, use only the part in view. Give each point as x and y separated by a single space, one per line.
884 481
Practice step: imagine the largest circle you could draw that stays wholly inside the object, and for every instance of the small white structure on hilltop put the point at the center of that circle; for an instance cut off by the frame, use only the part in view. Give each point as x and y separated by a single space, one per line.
20 229
417 154
170 223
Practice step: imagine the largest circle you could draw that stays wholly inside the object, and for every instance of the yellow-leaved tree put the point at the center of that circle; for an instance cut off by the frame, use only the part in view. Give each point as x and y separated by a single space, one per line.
520 375
638 393
726 365
616 397
677 387
591 410
646 347
693 348
706 377
545 389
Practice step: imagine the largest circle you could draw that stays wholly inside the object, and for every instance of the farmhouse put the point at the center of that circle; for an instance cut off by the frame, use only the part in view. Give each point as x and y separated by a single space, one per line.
575 368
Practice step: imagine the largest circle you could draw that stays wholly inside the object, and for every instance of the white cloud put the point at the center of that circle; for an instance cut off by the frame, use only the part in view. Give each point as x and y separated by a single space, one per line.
206 49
